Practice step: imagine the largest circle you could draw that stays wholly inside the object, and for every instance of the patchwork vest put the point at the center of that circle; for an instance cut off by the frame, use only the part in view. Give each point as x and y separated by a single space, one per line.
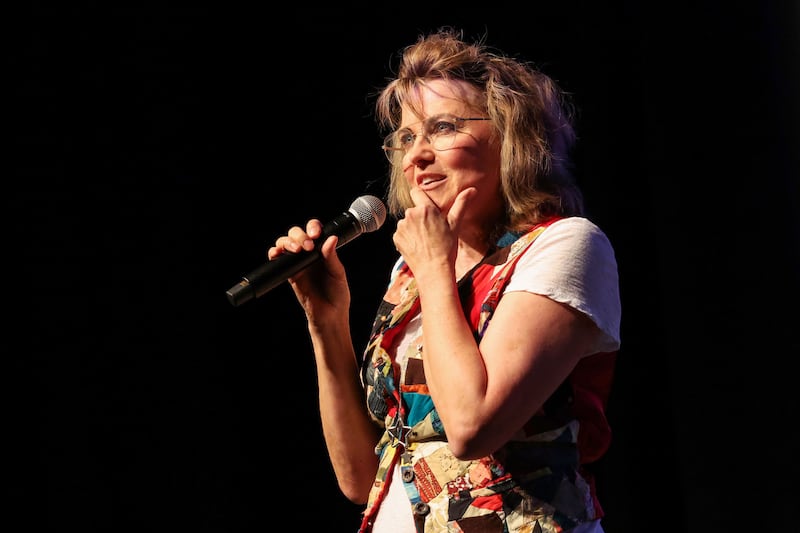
536 482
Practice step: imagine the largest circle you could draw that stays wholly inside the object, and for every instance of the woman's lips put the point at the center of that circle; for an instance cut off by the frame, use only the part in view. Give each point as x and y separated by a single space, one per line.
427 181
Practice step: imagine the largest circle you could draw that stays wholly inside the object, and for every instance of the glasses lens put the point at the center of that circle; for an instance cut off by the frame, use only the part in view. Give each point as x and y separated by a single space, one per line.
442 132
390 146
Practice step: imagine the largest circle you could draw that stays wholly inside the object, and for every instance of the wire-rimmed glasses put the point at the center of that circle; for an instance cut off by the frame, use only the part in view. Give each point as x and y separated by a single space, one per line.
439 131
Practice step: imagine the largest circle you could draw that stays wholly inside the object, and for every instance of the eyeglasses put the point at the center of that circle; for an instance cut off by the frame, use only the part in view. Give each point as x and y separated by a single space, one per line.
439 131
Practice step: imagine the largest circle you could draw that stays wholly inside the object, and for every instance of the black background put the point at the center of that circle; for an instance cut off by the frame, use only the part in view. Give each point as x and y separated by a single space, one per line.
157 152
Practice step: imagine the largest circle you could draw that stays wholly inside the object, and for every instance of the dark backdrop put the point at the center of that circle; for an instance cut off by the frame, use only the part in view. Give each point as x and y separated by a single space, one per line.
158 151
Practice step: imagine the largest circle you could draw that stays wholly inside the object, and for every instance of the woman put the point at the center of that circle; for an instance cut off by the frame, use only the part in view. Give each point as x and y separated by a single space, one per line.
485 421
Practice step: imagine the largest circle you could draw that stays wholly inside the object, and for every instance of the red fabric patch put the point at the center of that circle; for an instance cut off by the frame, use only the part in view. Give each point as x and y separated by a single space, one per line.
457 485
427 484
493 502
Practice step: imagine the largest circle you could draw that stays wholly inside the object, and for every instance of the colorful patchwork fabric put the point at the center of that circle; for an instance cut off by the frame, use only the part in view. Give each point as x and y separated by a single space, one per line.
535 483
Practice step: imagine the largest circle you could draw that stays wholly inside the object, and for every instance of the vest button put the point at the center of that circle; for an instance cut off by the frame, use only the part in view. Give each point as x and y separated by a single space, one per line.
421 508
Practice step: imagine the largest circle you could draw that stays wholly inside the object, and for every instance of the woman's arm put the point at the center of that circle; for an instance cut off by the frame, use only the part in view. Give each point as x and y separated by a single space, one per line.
323 292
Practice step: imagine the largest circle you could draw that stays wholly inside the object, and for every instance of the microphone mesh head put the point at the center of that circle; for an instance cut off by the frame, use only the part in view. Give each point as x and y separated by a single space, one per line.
370 211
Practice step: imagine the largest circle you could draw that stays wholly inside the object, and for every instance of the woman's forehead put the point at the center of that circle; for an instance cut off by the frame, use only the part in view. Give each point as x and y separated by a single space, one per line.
435 97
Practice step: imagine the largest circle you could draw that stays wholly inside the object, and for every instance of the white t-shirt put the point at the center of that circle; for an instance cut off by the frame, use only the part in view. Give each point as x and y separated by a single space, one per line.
571 262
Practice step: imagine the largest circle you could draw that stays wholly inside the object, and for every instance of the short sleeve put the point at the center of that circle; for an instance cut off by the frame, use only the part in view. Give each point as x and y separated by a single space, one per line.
573 262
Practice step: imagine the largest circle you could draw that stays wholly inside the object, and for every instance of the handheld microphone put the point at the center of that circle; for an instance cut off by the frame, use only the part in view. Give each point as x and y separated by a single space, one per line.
366 214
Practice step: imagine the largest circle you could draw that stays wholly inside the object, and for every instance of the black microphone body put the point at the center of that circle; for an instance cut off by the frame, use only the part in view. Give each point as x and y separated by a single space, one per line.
366 214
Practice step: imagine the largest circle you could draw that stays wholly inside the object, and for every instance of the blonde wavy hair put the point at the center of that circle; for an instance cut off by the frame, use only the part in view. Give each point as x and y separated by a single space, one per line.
530 112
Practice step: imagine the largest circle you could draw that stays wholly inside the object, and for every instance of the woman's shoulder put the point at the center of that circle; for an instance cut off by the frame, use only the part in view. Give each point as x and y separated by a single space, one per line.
574 232
573 262
578 229
572 242
581 225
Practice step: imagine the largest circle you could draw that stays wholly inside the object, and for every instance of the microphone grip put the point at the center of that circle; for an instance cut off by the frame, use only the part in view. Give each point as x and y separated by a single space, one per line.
272 273
269 275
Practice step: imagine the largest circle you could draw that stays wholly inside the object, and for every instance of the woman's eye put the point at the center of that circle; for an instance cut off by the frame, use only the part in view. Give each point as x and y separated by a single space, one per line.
443 127
406 139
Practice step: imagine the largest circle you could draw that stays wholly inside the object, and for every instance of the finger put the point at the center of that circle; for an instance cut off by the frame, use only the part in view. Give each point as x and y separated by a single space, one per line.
314 228
460 204
296 239
421 198
328 247
284 243
304 239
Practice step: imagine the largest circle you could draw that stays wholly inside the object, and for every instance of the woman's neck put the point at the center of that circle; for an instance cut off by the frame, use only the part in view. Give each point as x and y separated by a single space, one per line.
471 251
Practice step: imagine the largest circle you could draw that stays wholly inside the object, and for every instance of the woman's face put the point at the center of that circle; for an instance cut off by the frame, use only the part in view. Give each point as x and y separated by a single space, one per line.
446 155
